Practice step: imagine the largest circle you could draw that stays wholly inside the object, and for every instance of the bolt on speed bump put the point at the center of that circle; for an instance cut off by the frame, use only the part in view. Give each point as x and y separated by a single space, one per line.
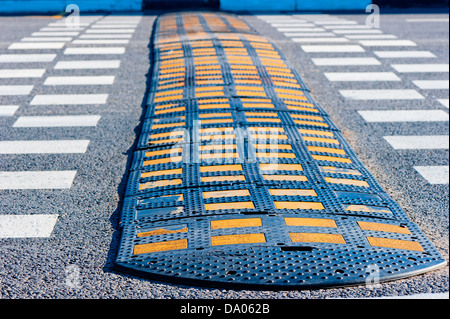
241 180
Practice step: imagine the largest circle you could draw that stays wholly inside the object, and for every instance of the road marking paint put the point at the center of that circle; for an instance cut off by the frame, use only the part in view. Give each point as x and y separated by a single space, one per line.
292 25
57 121
435 175
314 40
109 31
300 29
8 110
381 94
361 76
404 54
106 36
102 50
332 48
405 116
309 34
100 41
400 142
56 29
92 64
357 31
63 24
44 147
55 34
21 73
336 22
421 68
37 180
36 45
387 43
371 36
27 226
113 26
28 58
79 80
72 99
47 39
345 61
444 102
347 27
432 84
15 89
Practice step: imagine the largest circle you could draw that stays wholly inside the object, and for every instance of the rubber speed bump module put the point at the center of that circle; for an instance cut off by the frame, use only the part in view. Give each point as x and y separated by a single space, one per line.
241 180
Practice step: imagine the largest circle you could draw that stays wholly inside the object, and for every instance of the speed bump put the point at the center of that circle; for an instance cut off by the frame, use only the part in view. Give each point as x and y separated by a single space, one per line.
241 180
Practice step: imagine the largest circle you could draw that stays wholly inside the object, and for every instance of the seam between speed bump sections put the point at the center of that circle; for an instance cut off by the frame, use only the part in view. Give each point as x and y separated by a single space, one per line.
241 180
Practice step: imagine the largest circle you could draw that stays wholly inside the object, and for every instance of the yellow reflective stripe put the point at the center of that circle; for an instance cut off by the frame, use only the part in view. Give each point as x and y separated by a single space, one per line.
339 170
292 192
346 181
326 150
331 159
161 173
175 109
384 227
294 178
221 168
301 122
210 179
310 222
368 209
227 193
167 125
320 140
236 223
238 239
273 146
161 183
299 205
281 167
172 159
275 155
316 132
160 246
317 238
227 206
164 152
218 155
161 231
395 243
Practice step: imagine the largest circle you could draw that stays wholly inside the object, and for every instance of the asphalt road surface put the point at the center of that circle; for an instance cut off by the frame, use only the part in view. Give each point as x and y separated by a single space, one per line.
68 127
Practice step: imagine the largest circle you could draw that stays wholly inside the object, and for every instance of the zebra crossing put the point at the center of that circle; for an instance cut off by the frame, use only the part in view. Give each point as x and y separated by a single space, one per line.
356 45
59 48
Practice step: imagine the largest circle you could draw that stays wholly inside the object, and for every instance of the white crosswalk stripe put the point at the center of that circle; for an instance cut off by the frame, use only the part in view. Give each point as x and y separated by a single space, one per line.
432 84
361 76
57 121
44 147
8 110
381 94
79 80
37 180
418 142
404 54
421 68
27 226
405 116
434 175
69 99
